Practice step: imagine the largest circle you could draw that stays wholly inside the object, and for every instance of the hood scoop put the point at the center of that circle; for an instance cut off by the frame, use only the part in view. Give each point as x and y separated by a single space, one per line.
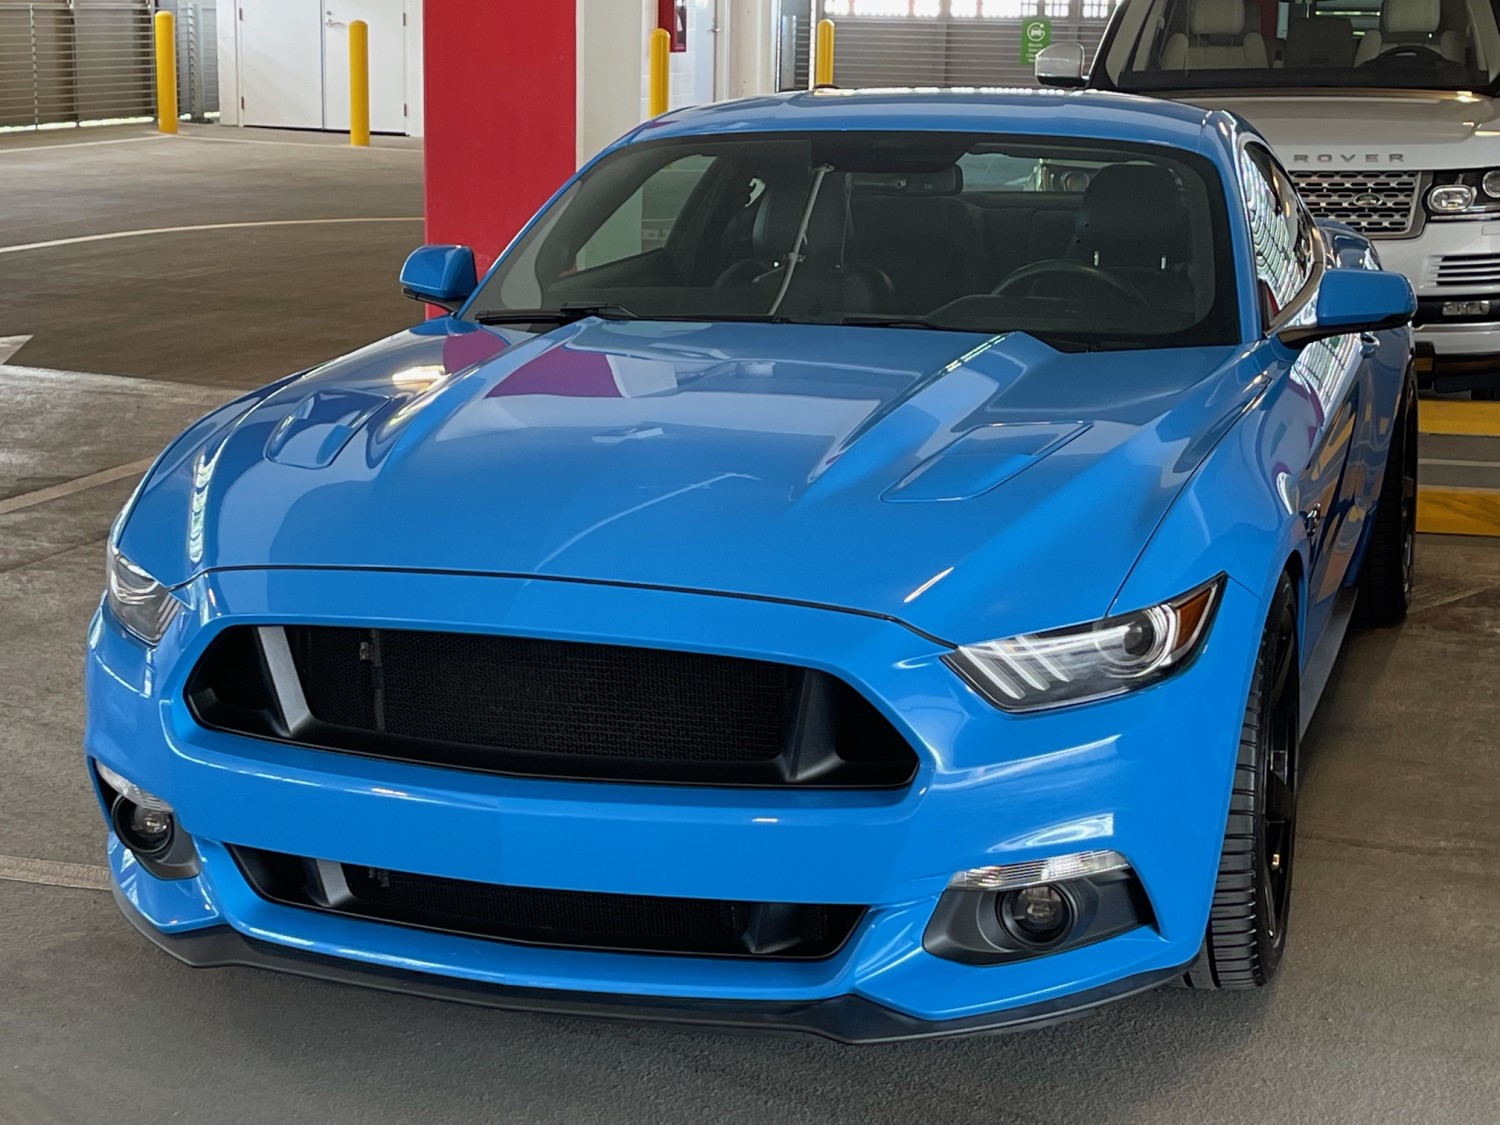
982 459
312 435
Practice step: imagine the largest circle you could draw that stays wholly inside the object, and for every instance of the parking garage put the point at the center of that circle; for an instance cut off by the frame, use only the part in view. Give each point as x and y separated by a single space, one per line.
184 221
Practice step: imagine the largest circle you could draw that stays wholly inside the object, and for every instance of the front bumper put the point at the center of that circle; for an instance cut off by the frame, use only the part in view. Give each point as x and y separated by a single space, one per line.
844 1019
1419 259
1147 775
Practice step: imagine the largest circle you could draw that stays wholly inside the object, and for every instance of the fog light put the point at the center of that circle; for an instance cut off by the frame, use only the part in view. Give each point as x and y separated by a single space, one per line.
1449 199
142 820
1465 308
1037 915
151 829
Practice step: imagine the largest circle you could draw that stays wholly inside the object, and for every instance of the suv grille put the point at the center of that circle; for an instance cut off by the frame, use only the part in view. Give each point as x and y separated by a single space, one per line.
557 709
564 919
1378 203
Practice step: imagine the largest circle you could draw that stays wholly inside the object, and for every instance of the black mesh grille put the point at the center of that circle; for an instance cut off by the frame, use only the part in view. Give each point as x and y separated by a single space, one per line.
556 709
566 919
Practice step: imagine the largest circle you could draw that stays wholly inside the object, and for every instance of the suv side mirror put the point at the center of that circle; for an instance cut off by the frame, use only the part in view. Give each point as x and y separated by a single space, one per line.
440 275
1061 65
1355 300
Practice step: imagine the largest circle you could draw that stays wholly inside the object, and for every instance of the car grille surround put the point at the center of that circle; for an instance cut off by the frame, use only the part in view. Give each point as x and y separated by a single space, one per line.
531 707
1381 204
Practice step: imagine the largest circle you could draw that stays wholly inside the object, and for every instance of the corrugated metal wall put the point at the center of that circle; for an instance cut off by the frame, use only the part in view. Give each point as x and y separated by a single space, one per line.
933 42
75 60
197 56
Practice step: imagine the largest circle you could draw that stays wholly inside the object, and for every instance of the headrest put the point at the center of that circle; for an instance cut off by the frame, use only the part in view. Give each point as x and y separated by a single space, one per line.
1411 17
1318 41
1218 17
945 181
779 213
1131 215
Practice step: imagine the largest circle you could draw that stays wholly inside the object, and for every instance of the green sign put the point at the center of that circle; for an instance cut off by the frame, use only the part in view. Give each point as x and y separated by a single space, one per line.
1035 34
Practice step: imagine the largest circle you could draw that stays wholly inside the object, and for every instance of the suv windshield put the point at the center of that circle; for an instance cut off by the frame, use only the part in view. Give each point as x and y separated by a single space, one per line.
1084 244
1247 44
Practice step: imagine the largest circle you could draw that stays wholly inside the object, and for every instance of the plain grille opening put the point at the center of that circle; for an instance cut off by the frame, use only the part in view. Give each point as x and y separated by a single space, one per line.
539 708
562 919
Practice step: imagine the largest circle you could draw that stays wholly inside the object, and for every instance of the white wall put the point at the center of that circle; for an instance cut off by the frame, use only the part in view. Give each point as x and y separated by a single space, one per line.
229 70
610 50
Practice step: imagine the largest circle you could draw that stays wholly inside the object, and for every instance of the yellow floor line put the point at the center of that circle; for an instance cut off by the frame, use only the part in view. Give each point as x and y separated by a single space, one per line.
1440 417
1459 511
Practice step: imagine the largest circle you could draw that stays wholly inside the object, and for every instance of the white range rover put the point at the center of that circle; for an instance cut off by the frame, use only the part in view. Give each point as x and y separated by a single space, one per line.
1384 111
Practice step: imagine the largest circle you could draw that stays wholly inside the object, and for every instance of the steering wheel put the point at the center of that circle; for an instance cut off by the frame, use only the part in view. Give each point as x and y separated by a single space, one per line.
1408 50
1064 267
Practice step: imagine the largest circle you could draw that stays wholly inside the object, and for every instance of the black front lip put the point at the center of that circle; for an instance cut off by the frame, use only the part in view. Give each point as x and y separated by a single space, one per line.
844 1019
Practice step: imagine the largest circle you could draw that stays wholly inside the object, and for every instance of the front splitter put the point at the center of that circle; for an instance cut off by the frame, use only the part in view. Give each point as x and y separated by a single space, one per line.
844 1019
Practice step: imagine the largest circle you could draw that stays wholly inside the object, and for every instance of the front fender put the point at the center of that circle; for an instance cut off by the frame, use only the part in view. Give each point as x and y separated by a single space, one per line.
1237 515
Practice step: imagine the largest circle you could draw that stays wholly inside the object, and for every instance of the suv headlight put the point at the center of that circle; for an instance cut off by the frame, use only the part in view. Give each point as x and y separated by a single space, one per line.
1093 661
141 604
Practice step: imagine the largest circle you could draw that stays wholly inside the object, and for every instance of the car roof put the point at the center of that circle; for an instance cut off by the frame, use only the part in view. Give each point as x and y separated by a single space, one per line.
1033 112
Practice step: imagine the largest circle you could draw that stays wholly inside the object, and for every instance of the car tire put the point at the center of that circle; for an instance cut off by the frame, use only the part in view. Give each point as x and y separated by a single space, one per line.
1385 579
1247 922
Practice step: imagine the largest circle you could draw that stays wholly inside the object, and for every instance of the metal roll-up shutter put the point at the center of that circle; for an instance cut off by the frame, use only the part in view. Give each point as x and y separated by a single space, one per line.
69 61
934 42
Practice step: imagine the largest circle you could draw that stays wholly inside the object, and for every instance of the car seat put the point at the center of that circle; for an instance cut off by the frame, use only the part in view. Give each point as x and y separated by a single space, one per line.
1216 39
1410 23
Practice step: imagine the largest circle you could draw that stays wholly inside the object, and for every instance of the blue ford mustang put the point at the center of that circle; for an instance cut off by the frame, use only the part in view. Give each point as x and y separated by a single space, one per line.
858 563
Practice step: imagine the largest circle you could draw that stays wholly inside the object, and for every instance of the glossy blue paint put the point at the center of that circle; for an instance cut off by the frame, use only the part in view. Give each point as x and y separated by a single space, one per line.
852 499
442 274
1354 300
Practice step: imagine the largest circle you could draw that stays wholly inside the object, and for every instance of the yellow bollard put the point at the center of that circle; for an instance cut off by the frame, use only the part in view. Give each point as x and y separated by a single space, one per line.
823 61
166 73
661 53
359 83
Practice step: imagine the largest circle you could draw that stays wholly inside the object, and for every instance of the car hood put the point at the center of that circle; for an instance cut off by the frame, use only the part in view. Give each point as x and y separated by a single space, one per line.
947 480
1360 129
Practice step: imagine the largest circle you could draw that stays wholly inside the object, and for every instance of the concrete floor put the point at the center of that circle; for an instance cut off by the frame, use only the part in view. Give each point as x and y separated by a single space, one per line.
1388 1009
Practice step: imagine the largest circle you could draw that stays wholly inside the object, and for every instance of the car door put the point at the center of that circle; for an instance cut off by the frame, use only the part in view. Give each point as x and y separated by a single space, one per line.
1331 376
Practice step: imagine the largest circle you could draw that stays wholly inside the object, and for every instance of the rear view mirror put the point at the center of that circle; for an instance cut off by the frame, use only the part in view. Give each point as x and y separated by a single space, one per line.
1355 300
1061 65
440 275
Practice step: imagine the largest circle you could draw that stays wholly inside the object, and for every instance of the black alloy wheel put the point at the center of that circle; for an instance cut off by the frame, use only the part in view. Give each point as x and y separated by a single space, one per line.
1385 581
1252 898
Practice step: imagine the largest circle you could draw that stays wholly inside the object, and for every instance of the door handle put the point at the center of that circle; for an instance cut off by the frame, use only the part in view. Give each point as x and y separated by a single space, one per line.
1368 342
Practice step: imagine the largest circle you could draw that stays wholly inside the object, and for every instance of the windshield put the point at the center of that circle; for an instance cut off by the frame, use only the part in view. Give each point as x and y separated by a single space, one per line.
1082 243
1248 44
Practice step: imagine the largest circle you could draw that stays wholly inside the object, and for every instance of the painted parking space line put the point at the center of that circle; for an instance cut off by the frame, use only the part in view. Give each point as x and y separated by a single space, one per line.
7 150
1481 419
78 484
53 873
1459 511
109 236
331 146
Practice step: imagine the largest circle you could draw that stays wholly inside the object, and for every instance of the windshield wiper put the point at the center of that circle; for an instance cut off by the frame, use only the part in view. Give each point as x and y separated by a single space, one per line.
566 314
875 320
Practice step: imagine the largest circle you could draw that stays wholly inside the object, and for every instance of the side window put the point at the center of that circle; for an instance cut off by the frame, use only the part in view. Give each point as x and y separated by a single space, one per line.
1280 230
644 221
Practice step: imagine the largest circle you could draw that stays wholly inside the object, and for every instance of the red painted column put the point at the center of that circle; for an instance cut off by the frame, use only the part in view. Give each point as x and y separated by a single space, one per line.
500 115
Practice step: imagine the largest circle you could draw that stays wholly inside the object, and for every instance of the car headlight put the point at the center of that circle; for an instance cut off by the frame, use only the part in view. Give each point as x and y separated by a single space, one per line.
1093 661
141 604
